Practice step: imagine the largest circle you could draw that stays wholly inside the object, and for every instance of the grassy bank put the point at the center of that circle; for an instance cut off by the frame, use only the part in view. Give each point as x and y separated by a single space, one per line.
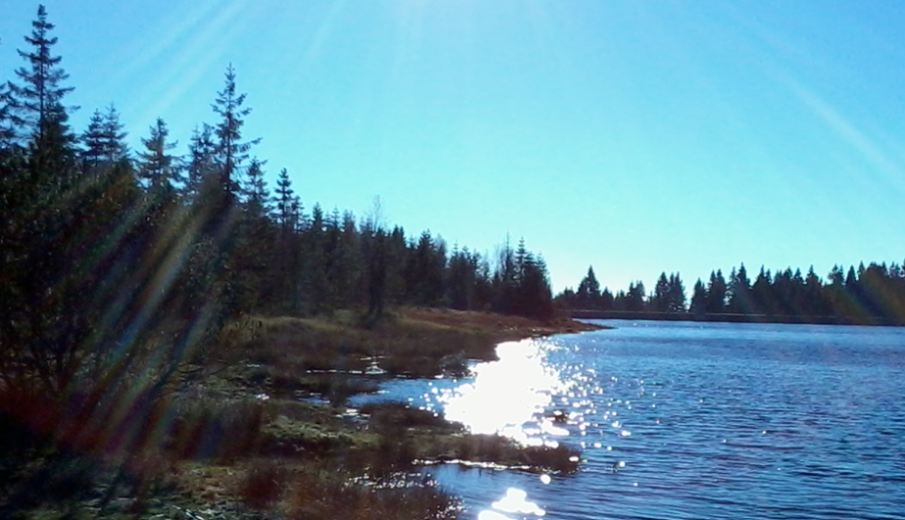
244 442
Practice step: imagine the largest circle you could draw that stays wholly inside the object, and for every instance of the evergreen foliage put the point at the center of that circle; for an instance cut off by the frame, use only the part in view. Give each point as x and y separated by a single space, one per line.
157 168
7 115
872 294
118 268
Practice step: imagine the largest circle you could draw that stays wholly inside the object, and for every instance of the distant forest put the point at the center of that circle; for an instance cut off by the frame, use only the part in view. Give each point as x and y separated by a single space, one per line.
867 295
104 247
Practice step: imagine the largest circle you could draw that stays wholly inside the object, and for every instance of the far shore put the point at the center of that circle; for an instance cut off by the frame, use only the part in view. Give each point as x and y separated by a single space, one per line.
592 314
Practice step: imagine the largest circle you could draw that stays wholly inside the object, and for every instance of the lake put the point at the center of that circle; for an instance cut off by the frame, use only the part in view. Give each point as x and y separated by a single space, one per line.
689 420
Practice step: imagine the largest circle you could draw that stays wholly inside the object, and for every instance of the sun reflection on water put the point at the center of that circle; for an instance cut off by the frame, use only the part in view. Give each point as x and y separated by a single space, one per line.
509 396
514 502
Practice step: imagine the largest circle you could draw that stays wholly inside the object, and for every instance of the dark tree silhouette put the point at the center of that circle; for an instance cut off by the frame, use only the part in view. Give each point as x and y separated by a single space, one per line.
231 151
40 95
7 117
675 294
157 168
588 294
699 299
739 291
716 293
201 165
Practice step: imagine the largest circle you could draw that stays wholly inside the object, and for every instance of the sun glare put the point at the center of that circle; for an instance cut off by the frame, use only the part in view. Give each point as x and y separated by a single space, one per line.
508 395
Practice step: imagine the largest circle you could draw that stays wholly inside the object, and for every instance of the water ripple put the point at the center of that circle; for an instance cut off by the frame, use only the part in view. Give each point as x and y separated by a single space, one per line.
686 421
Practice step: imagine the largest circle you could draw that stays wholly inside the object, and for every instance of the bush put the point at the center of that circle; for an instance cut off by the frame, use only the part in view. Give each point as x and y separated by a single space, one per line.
207 429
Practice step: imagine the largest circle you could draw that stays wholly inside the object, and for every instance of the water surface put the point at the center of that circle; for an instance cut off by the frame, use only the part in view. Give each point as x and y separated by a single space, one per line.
689 420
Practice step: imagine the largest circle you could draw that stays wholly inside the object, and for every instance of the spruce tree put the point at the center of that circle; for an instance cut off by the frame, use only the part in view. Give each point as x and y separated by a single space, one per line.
588 294
45 321
699 299
287 216
201 169
255 232
157 168
675 294
535 297
7 118
232 151
316 289
257 198
397 252
739 291
113 137
93 142
716 293
636 297
660 300
814 301
39 101
762 292
104 142
376 257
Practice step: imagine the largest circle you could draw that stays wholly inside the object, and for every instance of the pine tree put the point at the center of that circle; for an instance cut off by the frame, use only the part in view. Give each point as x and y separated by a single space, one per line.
505 279
255 232
156 167
74 245
375 251
425 270
7 119
814 301
201 167
535 297
114 137
347 270
258 200
636 297
104 141
397 253
699 299
660 300
39 101
762 293
93 142
314 264
607 300
716 293
588 294
460 286
522 260
739 291
289 272
7 127
286 215
232 151
675 294
836 276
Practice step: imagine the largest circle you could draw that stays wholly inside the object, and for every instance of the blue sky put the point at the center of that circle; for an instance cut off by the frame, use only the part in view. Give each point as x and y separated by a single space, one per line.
637 136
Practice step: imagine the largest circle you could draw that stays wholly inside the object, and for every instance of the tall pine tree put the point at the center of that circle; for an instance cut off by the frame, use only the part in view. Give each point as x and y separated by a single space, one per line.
232 151
39 102
157 168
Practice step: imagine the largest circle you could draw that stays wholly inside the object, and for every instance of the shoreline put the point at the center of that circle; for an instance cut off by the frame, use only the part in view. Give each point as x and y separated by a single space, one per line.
244 440
392 436
588 314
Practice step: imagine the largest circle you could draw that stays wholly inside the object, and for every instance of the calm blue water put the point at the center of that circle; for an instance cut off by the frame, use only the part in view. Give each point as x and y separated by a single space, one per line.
687 420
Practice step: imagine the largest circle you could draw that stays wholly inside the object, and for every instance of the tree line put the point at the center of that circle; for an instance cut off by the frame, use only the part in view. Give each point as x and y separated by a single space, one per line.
871 294
118 265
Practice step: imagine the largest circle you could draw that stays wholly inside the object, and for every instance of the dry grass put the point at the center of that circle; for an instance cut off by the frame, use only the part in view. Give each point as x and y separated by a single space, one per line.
219 444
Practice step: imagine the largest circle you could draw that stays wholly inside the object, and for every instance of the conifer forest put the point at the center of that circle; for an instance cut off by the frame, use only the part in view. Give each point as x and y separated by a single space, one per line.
105 248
